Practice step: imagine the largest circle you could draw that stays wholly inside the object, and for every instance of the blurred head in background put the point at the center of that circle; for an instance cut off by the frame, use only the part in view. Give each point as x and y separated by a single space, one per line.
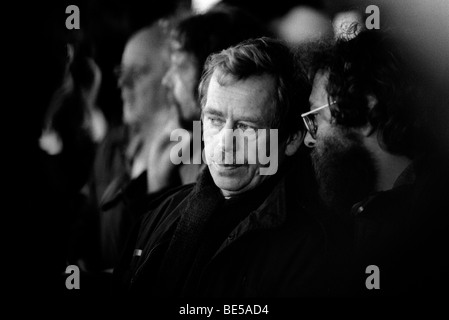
302 24
144 63
193 39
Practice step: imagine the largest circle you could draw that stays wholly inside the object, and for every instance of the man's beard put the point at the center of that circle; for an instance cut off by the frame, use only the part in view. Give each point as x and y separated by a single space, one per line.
345 170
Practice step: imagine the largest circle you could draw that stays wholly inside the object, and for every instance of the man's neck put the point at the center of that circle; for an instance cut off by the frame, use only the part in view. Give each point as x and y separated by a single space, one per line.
389 166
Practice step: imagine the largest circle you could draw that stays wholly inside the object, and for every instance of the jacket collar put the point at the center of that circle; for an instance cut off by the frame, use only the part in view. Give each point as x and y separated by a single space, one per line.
272 213
406 178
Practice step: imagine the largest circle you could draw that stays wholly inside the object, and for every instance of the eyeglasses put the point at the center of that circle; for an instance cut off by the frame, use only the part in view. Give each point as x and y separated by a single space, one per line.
309 119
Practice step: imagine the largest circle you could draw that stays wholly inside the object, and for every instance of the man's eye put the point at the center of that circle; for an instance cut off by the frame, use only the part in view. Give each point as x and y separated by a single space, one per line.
142 72
215 121
243 126
134 74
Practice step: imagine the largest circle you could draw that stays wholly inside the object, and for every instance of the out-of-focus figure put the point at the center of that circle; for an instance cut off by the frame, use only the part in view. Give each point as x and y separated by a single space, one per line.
302 24
193 39
294 21
145 110
344 20
73 124
122 158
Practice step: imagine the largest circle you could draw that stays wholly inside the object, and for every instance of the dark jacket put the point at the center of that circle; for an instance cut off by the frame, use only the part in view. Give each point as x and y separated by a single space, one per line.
279 249
117 201
405 233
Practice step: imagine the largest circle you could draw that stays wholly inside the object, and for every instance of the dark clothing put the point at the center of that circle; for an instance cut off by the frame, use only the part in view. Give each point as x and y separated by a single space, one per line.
266 243
106 230
117 200
405 232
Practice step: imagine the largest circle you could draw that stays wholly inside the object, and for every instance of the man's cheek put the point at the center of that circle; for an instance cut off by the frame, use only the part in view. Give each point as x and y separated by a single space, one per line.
208 134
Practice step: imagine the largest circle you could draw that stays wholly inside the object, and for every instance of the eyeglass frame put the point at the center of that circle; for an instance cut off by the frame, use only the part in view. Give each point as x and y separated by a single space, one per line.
305 116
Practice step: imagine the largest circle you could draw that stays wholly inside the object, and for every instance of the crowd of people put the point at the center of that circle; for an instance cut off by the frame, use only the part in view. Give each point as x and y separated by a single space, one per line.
355 206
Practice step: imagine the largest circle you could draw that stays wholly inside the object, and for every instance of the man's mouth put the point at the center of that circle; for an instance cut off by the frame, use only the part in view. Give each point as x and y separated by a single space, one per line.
227 166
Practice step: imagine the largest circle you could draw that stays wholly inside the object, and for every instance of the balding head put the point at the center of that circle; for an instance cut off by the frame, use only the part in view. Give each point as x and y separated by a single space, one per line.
144 62
153 37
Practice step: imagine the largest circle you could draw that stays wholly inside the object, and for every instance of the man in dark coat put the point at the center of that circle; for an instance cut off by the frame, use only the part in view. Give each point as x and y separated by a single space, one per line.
158 77
244 229
374 165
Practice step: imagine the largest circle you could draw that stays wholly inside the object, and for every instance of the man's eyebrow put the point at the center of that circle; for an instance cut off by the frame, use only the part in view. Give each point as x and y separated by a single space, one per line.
255 120
212 111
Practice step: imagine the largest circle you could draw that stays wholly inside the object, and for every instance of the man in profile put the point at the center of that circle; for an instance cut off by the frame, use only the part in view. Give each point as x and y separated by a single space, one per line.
236 232
122 158
373 166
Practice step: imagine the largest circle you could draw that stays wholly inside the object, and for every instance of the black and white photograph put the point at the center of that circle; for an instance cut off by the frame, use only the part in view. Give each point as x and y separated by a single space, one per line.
232 158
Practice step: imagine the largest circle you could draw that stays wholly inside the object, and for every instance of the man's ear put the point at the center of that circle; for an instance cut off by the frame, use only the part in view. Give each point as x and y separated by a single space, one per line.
294 142
368 129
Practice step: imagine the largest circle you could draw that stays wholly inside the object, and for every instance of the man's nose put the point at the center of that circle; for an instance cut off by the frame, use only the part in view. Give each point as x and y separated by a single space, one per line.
309 141
227 140
126 94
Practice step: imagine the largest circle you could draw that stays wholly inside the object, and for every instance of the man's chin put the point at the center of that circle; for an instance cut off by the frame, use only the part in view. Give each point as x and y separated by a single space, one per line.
229 178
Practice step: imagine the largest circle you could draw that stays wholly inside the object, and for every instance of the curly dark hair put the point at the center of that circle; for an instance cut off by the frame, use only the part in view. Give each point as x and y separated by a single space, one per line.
265 56
368 65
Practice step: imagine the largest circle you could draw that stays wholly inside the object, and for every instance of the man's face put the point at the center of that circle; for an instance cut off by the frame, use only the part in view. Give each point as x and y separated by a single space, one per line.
344 167
143 66
244 104
181 80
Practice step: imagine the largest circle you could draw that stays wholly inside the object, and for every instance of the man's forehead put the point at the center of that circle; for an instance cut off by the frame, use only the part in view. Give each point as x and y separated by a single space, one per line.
264 84
253 96
139 52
